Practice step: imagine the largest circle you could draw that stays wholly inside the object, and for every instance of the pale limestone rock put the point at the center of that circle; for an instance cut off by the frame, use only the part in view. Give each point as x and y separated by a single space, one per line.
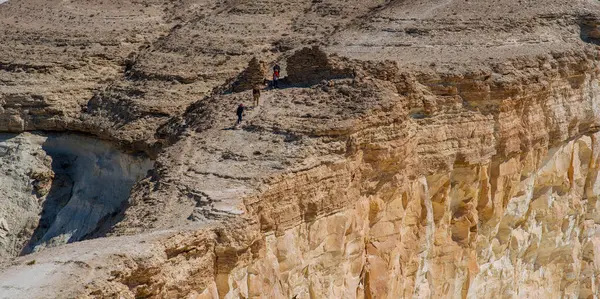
449 150
47 194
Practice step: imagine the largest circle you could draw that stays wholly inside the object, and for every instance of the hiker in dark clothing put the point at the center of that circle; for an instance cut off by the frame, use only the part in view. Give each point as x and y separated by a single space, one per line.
240 112
276 70
256 94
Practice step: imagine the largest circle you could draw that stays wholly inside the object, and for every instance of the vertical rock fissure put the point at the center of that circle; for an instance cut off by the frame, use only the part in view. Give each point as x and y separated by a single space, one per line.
54 202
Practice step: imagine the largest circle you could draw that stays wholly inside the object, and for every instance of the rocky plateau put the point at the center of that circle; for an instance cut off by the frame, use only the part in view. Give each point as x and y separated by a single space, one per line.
415 149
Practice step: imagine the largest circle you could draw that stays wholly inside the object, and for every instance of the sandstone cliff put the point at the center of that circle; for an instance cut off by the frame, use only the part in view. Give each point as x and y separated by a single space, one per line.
418 149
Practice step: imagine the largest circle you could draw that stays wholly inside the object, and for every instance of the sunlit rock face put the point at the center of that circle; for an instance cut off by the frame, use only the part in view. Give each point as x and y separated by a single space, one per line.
465 197
422 185
518 228
415 149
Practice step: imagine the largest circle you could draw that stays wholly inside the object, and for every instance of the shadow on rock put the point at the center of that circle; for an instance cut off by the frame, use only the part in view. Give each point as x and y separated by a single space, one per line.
89 188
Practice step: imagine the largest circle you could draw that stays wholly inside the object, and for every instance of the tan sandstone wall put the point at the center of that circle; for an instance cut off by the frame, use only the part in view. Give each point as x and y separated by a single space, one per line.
418 149
537 236
481 190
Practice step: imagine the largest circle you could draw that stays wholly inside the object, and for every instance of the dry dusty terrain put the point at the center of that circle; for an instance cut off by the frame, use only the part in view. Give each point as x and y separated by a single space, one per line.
416 149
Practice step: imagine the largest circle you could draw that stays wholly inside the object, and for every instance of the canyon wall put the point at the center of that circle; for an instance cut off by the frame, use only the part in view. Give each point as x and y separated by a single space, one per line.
517 228
481 186
415 149
466 200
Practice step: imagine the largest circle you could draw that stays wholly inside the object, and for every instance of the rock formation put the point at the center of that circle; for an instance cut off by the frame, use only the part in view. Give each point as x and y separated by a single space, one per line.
422 149
61 188
311 65
253 75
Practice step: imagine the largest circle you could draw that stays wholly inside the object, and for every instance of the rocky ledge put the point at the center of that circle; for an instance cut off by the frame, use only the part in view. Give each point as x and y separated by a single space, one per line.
416 149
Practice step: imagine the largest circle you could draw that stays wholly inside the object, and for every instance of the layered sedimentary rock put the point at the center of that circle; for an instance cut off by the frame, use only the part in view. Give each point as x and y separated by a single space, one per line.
424 149
253 76
311 65
491 216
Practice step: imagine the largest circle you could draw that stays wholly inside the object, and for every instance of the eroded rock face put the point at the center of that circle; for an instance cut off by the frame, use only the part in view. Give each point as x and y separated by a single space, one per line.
479 231
431 187
311 65
253 76
59 189
424 149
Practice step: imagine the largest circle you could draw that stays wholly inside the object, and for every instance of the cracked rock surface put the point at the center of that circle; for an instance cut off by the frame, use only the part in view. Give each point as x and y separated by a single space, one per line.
426 149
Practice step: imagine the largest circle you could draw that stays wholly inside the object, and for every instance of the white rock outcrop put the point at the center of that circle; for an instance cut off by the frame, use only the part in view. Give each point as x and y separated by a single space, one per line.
57 189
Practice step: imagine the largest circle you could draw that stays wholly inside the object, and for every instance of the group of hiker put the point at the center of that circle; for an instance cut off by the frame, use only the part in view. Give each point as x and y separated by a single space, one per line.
256 93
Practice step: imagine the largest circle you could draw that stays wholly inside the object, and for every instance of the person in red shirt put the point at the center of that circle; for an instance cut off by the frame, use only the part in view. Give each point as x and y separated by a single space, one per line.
276 70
